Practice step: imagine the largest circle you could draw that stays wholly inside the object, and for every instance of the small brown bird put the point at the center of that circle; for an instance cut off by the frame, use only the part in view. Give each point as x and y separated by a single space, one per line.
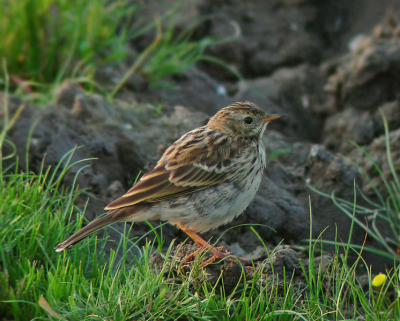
203 180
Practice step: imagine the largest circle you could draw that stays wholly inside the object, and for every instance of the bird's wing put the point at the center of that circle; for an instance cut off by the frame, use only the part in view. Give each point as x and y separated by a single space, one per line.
176 173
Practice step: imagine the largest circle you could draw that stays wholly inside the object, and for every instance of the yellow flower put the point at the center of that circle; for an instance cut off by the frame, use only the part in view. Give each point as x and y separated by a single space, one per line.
378 280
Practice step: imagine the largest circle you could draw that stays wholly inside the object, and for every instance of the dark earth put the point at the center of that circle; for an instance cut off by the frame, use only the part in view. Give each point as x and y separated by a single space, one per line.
330 66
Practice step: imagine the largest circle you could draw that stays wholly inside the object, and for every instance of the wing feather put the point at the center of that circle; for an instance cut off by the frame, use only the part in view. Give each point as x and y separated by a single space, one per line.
147 183
199 169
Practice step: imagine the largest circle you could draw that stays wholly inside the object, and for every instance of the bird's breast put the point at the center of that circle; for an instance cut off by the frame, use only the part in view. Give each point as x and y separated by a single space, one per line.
248 167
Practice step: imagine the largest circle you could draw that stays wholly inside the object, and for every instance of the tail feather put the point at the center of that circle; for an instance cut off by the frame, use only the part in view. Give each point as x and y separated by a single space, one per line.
86 231
124 214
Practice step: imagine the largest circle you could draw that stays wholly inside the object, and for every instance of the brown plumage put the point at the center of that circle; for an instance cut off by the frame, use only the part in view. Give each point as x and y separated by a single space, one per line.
202 181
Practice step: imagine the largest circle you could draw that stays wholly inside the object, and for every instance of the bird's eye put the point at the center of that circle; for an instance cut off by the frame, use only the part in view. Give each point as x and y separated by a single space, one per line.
248 120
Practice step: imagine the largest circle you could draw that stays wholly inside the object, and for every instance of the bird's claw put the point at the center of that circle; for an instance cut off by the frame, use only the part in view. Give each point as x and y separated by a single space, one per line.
217 254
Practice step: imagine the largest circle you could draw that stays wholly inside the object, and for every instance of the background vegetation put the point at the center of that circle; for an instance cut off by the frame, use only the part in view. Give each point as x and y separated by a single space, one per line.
48 41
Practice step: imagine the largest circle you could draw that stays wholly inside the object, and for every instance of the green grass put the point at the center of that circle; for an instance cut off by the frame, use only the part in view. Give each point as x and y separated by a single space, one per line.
45 42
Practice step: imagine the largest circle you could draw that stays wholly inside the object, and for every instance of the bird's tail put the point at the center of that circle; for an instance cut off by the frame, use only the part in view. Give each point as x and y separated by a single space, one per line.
86 231
124 214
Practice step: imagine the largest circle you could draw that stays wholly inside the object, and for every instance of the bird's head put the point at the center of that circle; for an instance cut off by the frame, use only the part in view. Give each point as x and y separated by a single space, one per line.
242 119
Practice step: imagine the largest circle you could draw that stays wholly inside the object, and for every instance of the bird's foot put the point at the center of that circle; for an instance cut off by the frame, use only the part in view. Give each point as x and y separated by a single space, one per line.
189 257
217 254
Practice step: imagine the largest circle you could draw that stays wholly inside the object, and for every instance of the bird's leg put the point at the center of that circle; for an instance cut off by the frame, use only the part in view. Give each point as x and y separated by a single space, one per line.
205 245
202 243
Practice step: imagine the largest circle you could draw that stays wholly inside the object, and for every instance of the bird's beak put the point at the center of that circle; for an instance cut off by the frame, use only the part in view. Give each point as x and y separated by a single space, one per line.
271 117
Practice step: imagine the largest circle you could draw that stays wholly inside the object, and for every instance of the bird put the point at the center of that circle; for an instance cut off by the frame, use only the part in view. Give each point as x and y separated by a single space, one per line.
202 181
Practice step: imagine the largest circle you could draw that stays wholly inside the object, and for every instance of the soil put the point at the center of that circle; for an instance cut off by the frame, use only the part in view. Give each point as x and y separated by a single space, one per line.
330 66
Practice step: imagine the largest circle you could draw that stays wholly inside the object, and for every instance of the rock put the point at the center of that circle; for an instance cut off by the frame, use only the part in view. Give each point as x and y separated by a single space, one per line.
391 111
156 136
283 262
66 93
329 173
345 128
377 151
351 126
191 88
272 34
257 254
115 190
323 263
359 85
365 78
